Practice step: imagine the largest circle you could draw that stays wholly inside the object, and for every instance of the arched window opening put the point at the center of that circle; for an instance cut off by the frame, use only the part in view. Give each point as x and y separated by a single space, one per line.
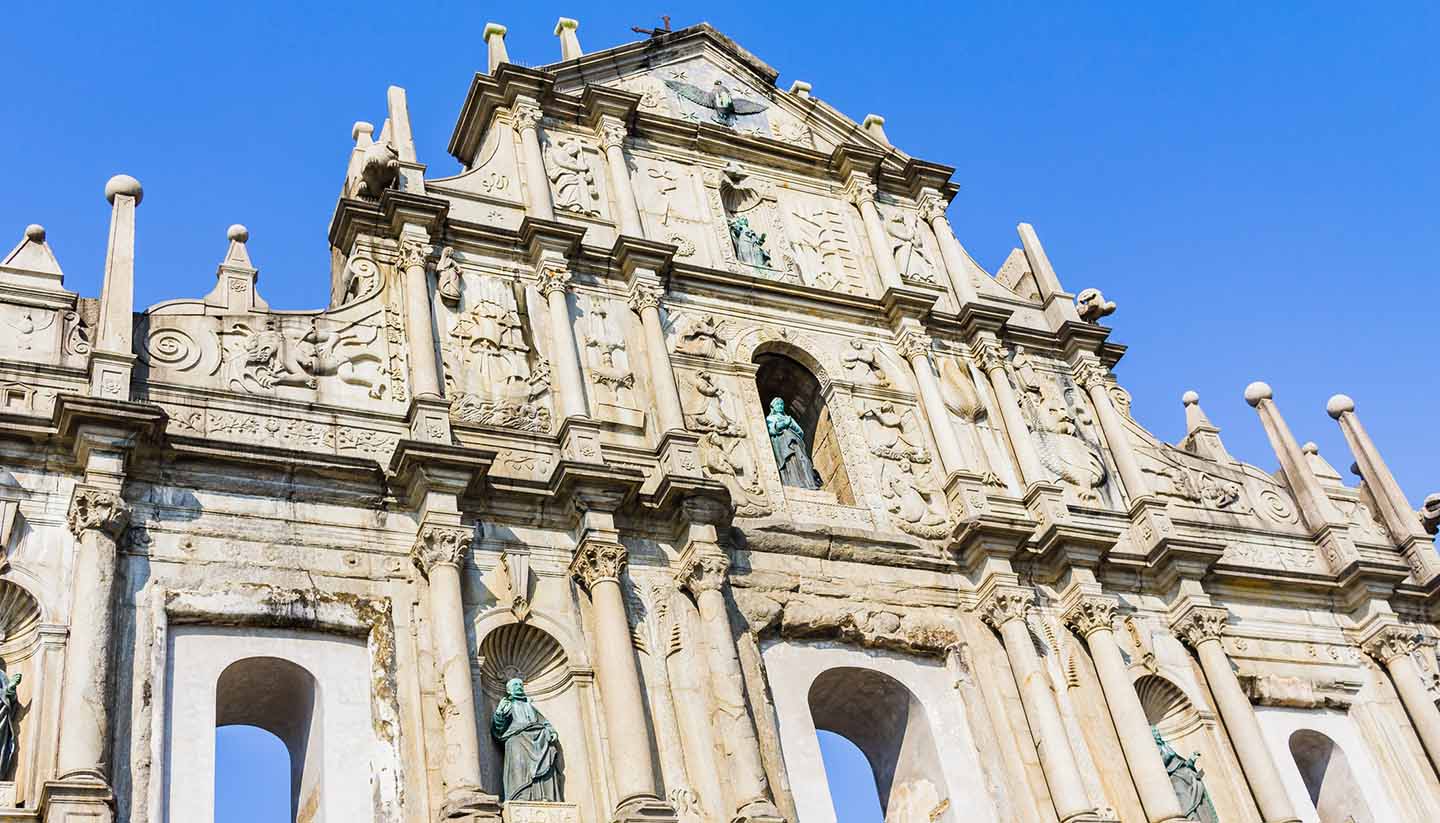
883 719
852 785
1328 779
252 776
281 698
780 377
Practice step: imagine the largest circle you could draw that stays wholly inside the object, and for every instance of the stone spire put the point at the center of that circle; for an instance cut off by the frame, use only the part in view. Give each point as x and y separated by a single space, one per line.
1201 436
569 42
1314 503
874 125
1395 510
236 276
1059 305
32 263
495 43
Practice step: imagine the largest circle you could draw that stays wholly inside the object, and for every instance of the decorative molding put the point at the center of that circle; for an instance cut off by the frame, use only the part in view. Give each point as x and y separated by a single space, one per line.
99 509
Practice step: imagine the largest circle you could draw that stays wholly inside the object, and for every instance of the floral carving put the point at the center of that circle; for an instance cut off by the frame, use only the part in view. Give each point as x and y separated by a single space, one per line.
441 546
1392 642
914 344
527 116
552 279
596 561
413 252
1201 624
98 509
644 297
1004 604
1090 614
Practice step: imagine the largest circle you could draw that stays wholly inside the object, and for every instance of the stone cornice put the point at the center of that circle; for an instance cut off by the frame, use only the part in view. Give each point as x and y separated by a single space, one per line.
488 93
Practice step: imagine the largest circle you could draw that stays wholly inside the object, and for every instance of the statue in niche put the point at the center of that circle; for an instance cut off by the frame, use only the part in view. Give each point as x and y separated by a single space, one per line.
531 746
864 362
9 724
911 258
792 456
571 177
447 275
749 244
1188 781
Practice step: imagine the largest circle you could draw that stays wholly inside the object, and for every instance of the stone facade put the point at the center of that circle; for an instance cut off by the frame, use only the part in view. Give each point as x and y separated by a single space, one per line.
527 438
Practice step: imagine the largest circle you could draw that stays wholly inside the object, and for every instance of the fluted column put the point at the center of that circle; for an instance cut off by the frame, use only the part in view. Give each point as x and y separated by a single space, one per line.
1201 628
915 347
1393 647
704 574
861 192
527 117
1005 610
645 301
612 139
987 353
1090 374
419 327
97 518
597 567
932 208
554 282
439 553
1093 618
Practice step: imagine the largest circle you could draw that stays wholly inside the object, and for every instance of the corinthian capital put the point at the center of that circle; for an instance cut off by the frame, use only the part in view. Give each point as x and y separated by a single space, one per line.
440 546
989 354
1391 642
1090 372
860 190
1090 614
414 252
596 561
99 509
1201 623
914 344
527 116
932 206
612 133
1006 603
552 278
704 572
645 296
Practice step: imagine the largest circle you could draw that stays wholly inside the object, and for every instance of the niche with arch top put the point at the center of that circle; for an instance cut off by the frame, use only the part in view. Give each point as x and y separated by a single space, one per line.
20 619
1331 784
534 655
283 699
784 377
889 725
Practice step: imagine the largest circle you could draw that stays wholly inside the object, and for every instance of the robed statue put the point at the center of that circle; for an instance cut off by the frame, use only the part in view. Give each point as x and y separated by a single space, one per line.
787 440
749 244
531 747
9 725
1188 780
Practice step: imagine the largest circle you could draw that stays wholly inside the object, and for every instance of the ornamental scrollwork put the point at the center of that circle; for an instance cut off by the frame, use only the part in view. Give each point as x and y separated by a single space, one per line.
1089 373
861 190
527 116
914 344
413 252
1091 614
99 509
596 561
989 354
441 546
612 134
1201 624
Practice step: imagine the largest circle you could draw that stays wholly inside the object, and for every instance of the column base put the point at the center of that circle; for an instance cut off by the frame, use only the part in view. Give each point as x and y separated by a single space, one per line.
759 811
645 810
520 811
79 797
470 806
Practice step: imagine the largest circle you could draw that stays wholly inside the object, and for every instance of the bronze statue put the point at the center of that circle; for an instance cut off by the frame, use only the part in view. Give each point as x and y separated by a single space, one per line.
792 456
531 747
9 724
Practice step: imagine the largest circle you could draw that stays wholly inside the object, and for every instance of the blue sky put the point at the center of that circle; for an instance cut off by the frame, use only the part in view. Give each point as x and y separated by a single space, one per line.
1254 184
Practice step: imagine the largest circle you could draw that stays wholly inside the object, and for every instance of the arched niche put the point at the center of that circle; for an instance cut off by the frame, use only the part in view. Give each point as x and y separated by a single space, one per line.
888 723
781 374
283 698
20 622
1329 780
1190 733
558 688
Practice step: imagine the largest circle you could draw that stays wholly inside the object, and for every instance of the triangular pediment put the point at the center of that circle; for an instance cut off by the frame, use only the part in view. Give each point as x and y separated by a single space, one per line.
700 75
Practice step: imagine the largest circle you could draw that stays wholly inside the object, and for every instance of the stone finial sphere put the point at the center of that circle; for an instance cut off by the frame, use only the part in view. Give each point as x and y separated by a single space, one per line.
1190 398
1339 405
361 127
1310 447
238 233
123 184
1257 391
35 232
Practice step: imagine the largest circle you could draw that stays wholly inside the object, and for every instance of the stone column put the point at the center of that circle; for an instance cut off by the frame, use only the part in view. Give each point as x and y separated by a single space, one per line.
1201 628
419 326
97 518
565 358
1090 374
862 191
957 262
537 184
987 353
1093 618
597 567
1393 647
915 347
1005 610
612 139
439 553
645 300
113 356
704 574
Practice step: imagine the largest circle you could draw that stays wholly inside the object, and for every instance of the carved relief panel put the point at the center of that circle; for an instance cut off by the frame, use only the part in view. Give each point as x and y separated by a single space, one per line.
672 207
601 333
821 236
1063 426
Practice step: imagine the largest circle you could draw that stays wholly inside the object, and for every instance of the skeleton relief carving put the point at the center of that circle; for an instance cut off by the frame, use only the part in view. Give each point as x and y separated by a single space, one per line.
489 373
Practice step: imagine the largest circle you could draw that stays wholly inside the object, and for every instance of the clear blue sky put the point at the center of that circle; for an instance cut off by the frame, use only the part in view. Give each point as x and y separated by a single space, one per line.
1255 185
